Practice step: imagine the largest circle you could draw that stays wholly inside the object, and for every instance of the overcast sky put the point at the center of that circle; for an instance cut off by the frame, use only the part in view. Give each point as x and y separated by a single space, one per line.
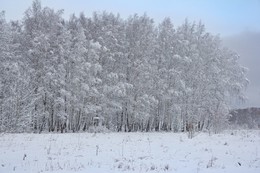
237 21
247 44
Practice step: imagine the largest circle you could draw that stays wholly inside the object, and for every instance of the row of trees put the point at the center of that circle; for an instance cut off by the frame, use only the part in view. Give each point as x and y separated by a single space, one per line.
57 74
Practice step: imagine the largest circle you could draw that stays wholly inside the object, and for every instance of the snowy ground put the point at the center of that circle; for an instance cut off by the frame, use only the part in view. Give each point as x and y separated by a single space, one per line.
130 152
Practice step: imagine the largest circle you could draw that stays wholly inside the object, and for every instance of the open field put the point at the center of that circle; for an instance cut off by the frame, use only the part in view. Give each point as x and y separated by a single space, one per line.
231 151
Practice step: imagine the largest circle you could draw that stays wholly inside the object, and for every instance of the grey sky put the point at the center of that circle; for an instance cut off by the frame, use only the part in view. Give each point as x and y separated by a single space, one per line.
220 16
247 44
237 21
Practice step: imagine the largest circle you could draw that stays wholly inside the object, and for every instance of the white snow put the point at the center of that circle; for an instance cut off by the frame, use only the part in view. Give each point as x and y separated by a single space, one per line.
130 152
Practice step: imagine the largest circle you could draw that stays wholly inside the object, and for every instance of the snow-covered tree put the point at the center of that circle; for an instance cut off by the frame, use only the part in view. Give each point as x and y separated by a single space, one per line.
134 75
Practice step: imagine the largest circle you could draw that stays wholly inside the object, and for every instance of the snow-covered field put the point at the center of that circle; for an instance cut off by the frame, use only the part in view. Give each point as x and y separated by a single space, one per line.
130 152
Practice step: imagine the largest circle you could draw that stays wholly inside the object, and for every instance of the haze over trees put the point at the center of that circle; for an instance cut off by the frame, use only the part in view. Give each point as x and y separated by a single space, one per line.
133 74
248 118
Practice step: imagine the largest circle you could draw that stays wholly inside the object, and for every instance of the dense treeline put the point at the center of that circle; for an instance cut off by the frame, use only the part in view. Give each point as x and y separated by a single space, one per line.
248 118
125 74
